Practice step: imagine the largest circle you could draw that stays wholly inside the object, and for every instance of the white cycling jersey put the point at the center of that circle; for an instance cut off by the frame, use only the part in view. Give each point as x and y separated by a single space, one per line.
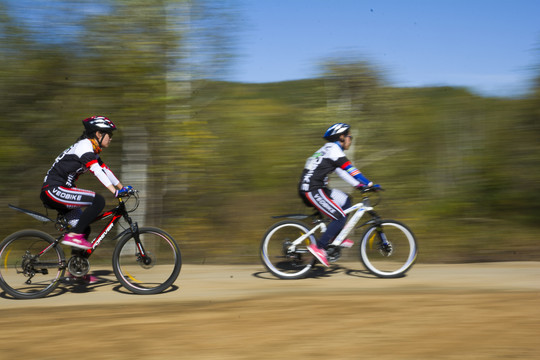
325 161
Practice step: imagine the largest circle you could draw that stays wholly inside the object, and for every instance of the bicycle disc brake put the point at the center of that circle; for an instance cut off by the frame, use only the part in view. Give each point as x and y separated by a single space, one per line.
386 249
146 262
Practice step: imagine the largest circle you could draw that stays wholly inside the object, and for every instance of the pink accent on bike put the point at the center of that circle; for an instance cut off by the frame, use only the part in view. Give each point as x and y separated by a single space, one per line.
347 243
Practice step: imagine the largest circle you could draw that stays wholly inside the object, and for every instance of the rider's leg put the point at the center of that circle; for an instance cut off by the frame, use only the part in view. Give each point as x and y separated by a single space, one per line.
343 200
66 199
331 232
331 203
89 214
79 233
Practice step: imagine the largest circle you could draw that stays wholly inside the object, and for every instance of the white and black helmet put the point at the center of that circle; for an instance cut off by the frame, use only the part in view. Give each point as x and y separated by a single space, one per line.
335 131
98 123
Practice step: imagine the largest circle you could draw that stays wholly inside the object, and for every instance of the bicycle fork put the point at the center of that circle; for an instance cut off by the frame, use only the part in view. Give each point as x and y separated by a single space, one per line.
142 256
384 246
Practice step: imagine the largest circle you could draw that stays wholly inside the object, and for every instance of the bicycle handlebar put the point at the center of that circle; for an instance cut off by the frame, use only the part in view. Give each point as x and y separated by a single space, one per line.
131 192
366 189
126 192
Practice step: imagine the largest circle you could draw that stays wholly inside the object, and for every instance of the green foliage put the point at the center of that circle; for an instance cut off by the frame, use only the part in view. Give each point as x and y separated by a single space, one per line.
222 158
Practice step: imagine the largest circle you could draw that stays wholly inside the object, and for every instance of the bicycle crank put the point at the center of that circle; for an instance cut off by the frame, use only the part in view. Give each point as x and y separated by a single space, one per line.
333 253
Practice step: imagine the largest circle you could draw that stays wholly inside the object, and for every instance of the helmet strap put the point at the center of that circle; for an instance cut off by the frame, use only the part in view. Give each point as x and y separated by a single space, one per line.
100 141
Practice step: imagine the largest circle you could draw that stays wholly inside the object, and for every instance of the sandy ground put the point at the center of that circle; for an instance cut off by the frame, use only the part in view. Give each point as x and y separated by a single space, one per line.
471 311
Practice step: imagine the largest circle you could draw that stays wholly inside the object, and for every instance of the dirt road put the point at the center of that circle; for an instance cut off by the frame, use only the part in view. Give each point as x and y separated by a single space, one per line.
472 311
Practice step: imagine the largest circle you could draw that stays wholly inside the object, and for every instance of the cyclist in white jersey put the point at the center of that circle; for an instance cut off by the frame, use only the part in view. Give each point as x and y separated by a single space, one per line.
314 191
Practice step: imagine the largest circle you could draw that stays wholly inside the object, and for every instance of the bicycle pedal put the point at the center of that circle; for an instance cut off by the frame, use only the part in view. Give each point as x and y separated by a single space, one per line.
67 280
333 253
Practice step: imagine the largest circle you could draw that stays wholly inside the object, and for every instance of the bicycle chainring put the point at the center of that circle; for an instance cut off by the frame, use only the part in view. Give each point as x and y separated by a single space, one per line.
78 266
333 253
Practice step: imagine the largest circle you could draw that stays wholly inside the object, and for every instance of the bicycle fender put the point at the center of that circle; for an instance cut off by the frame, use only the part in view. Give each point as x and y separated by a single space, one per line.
298 216
35 215
292 216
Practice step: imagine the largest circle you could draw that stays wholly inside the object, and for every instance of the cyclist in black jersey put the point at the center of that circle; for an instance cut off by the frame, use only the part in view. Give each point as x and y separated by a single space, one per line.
315 193
59 191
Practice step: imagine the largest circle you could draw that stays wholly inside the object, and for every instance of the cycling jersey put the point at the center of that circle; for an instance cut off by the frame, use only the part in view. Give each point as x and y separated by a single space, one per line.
59 191
78 159
325 161
314 191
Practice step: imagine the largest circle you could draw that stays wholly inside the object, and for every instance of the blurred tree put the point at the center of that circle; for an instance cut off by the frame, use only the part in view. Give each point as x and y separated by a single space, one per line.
350 84
219 158
352 87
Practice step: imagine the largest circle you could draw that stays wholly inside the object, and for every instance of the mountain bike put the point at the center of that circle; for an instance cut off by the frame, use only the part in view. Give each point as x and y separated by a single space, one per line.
387 248
145 260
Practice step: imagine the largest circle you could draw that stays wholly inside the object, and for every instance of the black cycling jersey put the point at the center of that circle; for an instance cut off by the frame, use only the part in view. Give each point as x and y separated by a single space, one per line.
59 191
75 161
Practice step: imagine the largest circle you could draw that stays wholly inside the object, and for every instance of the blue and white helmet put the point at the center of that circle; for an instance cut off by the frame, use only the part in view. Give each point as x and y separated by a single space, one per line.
335 131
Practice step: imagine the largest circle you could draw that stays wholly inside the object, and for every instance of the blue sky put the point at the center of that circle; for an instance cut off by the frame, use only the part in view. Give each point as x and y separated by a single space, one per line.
491 47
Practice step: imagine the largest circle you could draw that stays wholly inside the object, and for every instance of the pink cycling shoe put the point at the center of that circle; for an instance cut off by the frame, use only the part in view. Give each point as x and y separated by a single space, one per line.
86 279
76 240
320 254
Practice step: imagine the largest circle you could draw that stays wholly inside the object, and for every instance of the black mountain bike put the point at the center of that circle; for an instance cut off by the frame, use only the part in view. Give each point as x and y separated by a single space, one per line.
145 260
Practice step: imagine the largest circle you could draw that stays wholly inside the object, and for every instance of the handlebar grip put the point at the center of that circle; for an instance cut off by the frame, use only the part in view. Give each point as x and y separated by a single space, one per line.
373 188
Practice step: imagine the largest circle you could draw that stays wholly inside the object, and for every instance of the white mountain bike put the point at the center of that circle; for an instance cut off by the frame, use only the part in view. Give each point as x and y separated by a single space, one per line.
387 247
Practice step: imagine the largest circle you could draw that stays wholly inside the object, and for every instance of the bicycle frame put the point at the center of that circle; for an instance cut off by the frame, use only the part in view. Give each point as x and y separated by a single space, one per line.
360 209
117 213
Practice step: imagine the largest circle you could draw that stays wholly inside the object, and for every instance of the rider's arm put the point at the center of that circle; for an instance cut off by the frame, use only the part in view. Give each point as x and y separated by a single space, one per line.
348 178
103 176
352 175
114 180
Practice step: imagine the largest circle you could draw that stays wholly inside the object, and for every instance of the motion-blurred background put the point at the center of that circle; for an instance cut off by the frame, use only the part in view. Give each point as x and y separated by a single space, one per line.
215 158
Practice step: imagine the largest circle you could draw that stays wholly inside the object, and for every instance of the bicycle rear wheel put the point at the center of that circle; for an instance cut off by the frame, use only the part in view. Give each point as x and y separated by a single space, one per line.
279 257
388 249
153 275
31 264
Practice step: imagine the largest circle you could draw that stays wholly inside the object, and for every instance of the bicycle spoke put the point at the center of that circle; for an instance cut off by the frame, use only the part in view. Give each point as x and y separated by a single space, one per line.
153 271
279 255
24 273
388 250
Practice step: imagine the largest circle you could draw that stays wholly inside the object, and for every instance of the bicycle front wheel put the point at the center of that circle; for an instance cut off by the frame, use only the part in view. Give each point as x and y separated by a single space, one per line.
31 264
388 249
152 273
280 257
